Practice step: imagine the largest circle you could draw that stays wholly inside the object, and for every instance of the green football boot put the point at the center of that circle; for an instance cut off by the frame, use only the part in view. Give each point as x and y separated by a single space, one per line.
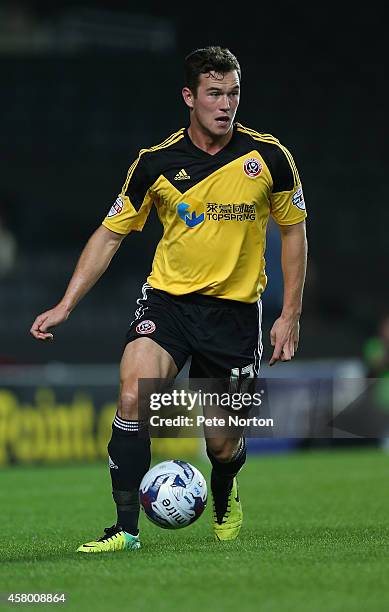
227 520
113 540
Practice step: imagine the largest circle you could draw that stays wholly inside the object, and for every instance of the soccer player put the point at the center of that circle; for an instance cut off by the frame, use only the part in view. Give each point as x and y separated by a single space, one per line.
214 185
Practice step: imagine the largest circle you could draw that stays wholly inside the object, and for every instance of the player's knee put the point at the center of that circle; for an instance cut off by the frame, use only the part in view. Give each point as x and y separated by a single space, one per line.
221 450
128 402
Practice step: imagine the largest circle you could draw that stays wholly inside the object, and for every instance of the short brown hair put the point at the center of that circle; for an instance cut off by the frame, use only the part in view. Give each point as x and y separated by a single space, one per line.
209 59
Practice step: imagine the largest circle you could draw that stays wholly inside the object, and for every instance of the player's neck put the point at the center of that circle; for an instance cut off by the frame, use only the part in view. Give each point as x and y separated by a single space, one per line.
208 142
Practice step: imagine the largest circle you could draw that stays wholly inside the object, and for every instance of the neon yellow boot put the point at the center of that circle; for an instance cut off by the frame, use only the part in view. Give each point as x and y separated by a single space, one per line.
228 521
113 540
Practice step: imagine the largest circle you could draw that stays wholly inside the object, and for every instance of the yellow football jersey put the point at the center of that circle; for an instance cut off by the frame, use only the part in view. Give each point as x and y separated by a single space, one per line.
214 210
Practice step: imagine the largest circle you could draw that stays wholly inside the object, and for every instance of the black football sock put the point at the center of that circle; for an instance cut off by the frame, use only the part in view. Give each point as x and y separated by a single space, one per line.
129 459
222 477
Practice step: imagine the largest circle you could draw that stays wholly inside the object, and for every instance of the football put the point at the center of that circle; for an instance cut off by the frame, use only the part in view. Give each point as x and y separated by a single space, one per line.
173 494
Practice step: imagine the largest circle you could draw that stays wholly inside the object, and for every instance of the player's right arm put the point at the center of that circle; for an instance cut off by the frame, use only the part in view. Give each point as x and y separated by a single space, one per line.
94 260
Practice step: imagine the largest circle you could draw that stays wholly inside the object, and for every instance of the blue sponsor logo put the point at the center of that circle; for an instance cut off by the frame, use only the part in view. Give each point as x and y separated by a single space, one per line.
190 219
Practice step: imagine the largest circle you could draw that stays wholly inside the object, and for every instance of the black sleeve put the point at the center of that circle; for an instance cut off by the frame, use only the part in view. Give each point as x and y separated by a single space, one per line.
138 181
278 160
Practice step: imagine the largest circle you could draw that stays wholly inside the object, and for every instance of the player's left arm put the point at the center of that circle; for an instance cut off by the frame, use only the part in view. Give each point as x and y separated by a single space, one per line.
284 335
287 208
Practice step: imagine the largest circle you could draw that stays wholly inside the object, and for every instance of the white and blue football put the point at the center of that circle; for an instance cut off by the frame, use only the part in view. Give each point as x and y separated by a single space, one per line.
173 494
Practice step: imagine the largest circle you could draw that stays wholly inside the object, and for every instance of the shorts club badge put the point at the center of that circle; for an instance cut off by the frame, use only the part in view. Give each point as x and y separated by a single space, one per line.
145 327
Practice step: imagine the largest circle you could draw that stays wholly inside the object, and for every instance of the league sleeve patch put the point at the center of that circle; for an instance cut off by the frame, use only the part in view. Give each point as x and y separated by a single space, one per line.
116 208
298 199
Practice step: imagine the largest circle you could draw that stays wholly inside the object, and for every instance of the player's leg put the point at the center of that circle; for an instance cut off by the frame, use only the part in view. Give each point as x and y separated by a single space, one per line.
226 450
155 349
227 457
129 447
232 357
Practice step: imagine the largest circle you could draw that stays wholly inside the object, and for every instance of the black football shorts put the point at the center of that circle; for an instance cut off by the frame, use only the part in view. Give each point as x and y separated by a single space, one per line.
223 337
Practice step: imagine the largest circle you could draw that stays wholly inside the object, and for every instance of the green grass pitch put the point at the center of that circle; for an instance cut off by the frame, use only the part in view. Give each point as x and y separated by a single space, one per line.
315 538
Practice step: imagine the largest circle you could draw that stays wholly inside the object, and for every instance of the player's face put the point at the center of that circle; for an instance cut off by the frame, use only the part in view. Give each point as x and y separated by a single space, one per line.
216 101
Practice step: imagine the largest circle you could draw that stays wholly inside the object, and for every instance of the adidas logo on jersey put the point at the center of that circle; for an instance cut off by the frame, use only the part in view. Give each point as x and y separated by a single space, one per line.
182 175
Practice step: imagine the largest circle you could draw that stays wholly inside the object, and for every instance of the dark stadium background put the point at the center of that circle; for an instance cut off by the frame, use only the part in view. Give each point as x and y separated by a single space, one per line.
85 86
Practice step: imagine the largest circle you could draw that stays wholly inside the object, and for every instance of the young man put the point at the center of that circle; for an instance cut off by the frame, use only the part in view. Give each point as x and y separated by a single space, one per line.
214 185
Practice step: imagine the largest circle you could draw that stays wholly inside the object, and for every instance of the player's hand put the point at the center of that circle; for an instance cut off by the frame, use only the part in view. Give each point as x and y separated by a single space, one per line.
46 320
284 336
